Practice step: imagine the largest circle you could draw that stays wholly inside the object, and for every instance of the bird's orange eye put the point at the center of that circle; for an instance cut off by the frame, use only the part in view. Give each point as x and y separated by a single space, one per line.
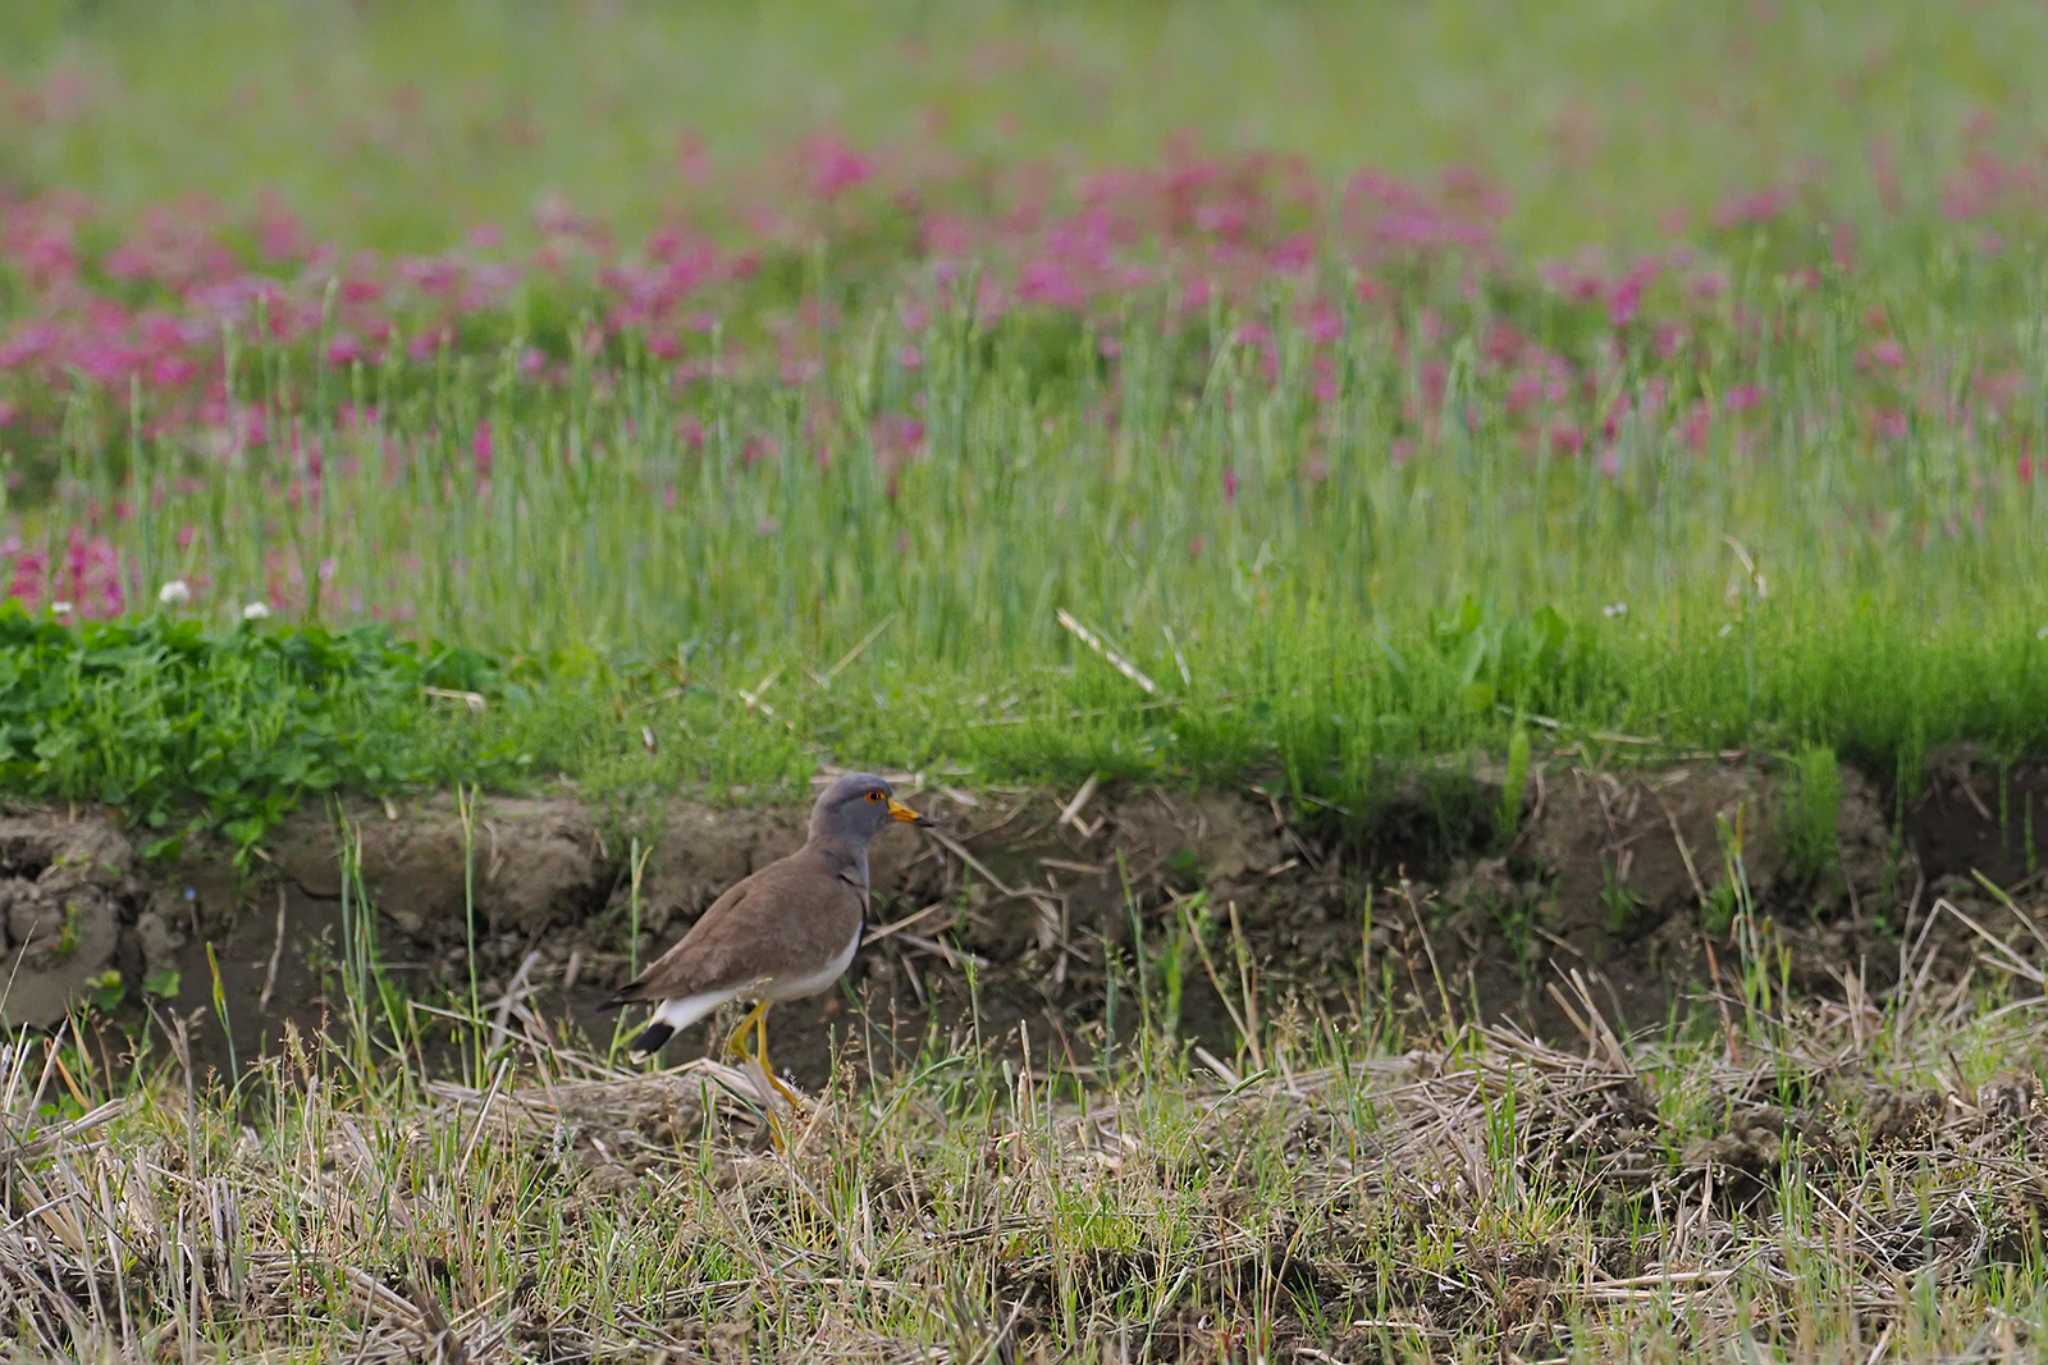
874 796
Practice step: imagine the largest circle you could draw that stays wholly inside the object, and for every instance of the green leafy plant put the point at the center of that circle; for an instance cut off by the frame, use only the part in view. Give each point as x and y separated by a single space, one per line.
188 730
107 990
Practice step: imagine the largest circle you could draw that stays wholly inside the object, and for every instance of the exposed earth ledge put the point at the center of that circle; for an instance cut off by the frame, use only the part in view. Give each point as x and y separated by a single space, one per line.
1429 903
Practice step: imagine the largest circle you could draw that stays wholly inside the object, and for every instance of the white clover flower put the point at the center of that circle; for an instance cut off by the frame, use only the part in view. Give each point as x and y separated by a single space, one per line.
1614 609
256 611
174 592
2042 633
60 608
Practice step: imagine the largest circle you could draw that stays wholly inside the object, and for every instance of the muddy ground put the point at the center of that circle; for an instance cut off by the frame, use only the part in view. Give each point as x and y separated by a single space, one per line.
1430 903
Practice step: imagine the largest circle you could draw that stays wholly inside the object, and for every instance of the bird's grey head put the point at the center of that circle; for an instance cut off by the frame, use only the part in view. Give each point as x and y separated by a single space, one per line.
856 808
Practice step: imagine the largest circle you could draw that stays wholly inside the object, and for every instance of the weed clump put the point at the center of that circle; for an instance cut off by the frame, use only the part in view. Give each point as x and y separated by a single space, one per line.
1809 817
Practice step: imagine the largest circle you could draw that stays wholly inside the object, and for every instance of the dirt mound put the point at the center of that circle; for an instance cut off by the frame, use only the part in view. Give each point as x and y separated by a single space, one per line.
61 924
1640 881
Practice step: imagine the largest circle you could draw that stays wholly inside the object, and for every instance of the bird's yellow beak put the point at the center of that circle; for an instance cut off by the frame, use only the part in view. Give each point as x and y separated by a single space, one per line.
899 811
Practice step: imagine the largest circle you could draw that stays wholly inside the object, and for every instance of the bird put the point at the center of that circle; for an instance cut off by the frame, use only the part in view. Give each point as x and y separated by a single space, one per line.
786 931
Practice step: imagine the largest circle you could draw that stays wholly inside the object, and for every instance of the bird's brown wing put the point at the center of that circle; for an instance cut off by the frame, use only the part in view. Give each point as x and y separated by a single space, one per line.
789 918
676 972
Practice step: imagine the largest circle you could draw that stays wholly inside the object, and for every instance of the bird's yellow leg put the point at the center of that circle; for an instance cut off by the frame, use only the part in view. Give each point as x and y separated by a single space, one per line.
768 1068
737 1044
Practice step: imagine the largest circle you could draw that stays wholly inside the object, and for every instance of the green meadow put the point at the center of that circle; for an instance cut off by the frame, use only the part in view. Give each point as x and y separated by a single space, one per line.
1719 524
638 401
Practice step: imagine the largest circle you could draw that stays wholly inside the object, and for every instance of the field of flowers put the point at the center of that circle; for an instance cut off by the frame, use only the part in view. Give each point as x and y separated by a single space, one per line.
1362 382
1307 401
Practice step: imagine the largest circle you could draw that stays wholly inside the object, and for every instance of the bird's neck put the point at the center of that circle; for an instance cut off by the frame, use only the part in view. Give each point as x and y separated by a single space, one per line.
843 855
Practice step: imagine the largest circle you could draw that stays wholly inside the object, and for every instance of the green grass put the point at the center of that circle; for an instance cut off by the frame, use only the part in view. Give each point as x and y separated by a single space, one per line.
230 730
1339 613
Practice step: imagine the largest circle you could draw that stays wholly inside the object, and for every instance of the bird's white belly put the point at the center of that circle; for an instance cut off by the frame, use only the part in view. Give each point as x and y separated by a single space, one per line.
797 987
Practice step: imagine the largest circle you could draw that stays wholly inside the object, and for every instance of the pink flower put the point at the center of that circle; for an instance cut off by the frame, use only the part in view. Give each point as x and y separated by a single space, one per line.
1294 254
281 236
1524 391
359 289
1760 207
1324 386
1697 424
898 436
1743 397
1323 323
1229 487
423 347
1626 298
171 372
836 167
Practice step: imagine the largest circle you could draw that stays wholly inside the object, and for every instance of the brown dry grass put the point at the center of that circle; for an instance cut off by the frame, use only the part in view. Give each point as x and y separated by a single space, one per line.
1861 1179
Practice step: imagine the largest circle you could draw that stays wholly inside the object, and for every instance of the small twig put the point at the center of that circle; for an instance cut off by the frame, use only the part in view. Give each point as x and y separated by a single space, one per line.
760 690
1110 656
2005 899
877 935
519 986
473 700
1756 578
1219 703
1244 1028
1250 997
1222 1069
1721 1000
1180 660
953 957
1070 814
1699 887
2007 959
959 850
858 650
276 956
483 1112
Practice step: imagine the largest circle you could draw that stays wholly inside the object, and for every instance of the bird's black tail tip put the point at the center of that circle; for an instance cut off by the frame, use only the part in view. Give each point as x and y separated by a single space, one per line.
651 1039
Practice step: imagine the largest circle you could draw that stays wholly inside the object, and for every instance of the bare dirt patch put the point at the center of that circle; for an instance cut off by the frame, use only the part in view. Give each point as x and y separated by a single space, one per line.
1628 878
